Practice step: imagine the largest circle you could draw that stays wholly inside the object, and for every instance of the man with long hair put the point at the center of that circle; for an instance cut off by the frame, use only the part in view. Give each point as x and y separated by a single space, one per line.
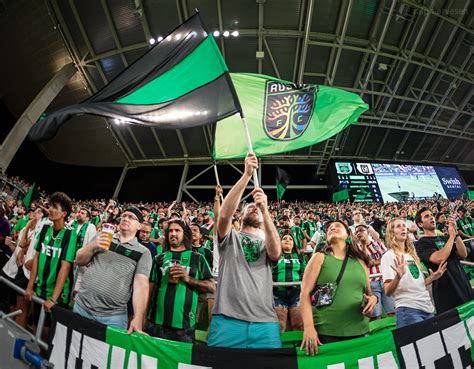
243 315
178 276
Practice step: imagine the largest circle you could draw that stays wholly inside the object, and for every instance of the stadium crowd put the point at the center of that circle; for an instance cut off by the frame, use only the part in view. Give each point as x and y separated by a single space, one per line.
260 268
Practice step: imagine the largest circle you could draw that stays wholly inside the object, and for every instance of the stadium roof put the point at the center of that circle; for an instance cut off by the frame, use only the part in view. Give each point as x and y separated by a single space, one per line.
410 60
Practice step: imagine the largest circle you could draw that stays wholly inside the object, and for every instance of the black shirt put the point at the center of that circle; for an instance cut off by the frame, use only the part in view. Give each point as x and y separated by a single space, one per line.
453 288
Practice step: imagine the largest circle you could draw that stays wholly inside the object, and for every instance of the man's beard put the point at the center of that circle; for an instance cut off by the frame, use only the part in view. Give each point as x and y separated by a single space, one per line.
250 221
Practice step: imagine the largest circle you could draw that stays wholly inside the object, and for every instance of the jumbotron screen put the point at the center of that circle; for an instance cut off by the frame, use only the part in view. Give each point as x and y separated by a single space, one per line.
377 182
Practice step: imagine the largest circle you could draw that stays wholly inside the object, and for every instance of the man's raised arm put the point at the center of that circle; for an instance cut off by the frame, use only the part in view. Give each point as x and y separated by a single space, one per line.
231 201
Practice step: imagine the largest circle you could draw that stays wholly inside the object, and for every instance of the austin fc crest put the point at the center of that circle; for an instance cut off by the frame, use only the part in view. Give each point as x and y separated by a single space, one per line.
288 109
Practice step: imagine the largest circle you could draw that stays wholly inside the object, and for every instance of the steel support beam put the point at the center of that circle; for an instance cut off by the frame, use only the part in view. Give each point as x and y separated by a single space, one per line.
304 50
61 26
179 195
379 150
270 55
261 8
406 63
30 116
379 45
298 40
120 182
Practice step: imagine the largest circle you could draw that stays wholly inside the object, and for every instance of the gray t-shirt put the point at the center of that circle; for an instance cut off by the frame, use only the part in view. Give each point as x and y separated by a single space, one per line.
106 285
244 286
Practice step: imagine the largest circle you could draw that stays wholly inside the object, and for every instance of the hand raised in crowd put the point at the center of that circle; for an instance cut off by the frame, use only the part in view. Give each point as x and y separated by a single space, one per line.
251 163
370 305
399 267
9 242
180 272
439 272
219 190
452 226
310 341
260 199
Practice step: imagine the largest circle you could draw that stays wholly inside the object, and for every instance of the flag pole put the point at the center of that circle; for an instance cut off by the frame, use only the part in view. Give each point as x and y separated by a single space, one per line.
217 179
250 148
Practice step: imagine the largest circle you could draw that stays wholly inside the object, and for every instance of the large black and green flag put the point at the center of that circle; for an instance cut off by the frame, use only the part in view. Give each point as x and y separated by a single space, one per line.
283 116
181 82
282 181
443 342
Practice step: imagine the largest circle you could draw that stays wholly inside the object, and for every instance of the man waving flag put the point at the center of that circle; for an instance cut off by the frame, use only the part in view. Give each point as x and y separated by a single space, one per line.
181 82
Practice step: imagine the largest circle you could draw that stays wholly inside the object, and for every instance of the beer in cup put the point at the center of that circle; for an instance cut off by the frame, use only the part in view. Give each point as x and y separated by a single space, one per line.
108 229
173 263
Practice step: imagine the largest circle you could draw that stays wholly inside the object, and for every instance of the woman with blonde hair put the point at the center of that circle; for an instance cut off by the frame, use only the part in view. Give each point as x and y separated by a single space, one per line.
336 282
412 300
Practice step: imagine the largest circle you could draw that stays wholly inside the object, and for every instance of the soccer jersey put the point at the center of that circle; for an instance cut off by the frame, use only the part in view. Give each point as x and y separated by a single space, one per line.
174 304
52 251
466 225
310 227
289 268
298 236
207 253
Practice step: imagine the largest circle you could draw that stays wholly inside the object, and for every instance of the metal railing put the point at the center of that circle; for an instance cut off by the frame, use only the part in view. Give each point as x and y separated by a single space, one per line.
36 299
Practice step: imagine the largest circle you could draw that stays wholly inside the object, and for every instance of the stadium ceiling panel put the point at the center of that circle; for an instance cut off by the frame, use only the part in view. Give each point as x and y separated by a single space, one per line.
411 61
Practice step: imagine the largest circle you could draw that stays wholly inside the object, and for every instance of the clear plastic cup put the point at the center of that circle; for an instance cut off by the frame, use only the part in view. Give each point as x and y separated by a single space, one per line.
108 229
173 263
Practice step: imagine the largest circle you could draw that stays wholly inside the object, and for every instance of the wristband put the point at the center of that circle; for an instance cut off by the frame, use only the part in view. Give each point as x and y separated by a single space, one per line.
54 302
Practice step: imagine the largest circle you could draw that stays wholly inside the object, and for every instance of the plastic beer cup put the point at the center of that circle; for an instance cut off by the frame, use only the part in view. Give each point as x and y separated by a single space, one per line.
173 263
108 229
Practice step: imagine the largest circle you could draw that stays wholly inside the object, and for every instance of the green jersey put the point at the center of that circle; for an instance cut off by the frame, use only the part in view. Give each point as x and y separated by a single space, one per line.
52 251
466 226
174 304
207 253
310 227
156 233
289 268
22 222
298 236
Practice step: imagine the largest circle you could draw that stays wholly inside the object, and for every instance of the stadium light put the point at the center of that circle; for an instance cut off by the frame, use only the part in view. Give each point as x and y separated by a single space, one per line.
160 39
151 41
226 34
235 33
216 33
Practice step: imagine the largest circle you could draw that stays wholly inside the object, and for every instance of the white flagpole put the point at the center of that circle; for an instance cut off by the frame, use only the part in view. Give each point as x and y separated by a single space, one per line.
217 179
250 148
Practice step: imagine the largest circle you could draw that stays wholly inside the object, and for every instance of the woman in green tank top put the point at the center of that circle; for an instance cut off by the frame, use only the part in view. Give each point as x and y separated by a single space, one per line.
348 315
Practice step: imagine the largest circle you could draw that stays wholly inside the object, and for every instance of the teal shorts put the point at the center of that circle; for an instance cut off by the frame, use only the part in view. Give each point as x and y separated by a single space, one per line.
234 333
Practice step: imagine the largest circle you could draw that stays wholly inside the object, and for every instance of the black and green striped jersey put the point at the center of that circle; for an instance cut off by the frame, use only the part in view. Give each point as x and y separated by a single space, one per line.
52 251
310 227
156 233
298 236
95 220
174 304
207 253
465 225
289 268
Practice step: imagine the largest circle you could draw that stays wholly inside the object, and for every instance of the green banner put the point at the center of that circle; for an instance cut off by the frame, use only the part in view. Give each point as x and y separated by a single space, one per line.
282 116
443 342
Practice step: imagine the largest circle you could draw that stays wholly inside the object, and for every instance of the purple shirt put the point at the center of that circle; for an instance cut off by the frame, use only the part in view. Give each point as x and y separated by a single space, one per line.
4 231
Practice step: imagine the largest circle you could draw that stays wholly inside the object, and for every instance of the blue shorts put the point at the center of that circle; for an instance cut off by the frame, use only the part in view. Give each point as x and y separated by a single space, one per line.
287 298
407 316
383 300
234 333
117 321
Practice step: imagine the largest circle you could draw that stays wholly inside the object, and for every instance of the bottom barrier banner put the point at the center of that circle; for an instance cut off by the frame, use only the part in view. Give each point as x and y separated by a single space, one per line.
444 342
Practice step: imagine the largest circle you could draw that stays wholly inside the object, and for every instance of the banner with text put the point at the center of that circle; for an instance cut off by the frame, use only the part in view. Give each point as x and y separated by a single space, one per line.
444 342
